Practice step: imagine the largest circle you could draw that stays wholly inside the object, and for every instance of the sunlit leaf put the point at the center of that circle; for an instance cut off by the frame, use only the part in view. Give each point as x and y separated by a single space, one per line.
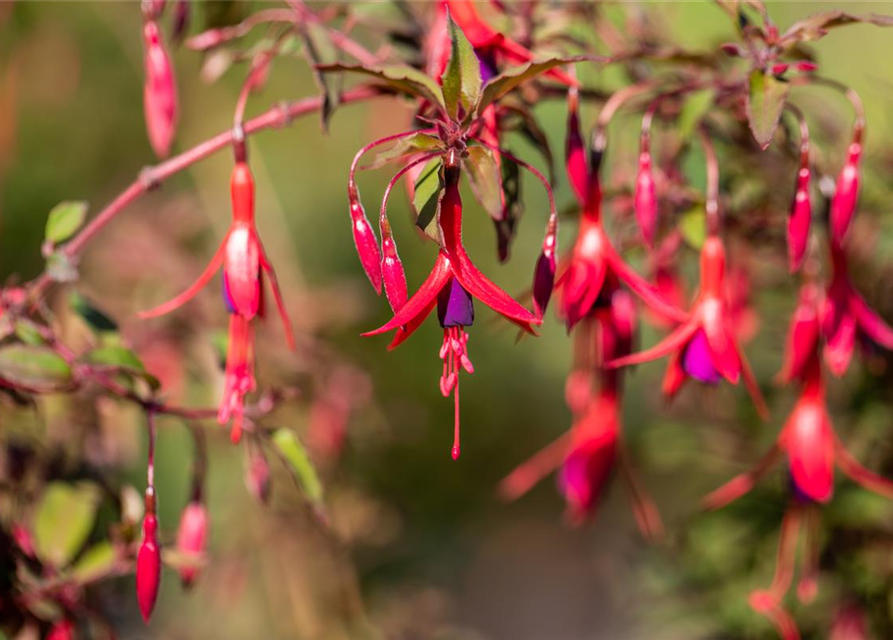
402 78
97 320
300 465
511 78
461 80
97 562
426 200
64 220
123 359
63 520
34 366
691 225
765 101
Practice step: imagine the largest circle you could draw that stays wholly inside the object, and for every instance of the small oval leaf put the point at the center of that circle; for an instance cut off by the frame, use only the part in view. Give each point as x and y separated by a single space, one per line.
34 366
64 519
765 101
301 467
64 220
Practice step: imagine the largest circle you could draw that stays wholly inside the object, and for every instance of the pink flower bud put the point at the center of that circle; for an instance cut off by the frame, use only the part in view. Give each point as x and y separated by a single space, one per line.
23 539
779 69
805 66
192 538
152 9
257 477
62 630
732 49
393 274
159 92
843 206
148 567
364 239
799 221
575 150
646 200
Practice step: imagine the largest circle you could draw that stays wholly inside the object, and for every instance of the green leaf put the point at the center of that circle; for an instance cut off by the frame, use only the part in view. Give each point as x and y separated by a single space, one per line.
97 320
693 111
416 143
692 226
461 80
485 178
765 101
64 519
426 200
34 366
60 268
818 24
318 49
304 473
97 562
123 359
65 218
511 78
402 78
28 332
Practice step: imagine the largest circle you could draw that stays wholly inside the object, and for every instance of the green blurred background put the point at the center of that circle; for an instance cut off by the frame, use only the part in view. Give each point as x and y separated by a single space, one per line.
422 547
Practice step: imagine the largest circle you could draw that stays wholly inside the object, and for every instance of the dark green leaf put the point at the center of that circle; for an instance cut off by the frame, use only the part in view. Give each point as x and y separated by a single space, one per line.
485 178
34 366
97 320
426 198
65 218
402 78
461 80
318 49
63 520
765 102
122 359
511 78
298 460
416 143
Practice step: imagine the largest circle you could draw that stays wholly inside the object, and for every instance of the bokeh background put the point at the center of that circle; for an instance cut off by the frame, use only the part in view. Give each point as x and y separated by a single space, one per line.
420 546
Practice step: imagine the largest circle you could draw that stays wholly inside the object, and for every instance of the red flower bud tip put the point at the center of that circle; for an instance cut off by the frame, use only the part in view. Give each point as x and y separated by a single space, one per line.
148 567
779 69
393 275
646 200
805 66
23 539
544 276
159 92
843 205
732 49
191 539
364 239
799 221
61 630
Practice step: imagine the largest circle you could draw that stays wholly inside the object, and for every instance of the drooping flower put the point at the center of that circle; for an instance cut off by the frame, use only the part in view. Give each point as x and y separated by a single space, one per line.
846 316
451 287
645 194
62 630
704 347
159 92
244 262
192 536
800 218
148 567
846 194
849 623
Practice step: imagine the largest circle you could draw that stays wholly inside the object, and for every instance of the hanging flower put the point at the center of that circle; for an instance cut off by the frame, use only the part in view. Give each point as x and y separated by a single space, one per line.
192 536
148 566
244 263
159 92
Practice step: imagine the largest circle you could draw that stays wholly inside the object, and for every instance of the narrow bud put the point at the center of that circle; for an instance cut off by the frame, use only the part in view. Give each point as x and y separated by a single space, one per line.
257 477
392 271
799 221
148 567
182 11
62 630
364 239
544 274
575 151
843 205
192 539
646 199
159 91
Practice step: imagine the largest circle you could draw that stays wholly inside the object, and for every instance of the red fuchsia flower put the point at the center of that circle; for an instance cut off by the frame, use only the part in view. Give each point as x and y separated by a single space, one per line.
61 630
846 195
244 262
704 347
593 260
801 208
159 92
148 567
645 195
846 316
192 537
451 287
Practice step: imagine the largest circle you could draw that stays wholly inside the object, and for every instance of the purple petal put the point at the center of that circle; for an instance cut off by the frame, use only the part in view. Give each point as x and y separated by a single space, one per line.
488 64
698 362
455 307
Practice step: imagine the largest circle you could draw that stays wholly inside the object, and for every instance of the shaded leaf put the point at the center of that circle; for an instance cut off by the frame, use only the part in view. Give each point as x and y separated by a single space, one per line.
95 318
318 49
817 25
402 78
123 359
34 366
485 178
765 101
511 78
426 198
97 562
28 332
299 463
461 80
418 142
64 219
64 519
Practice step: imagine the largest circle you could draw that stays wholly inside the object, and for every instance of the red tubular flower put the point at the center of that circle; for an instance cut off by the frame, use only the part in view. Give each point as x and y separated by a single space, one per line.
364 238
846 316
846 195
645 196
849 623
803 335
704 347
159 92
148 567
574 149
483 36
244 262
451 287
61 630
801 208
192 536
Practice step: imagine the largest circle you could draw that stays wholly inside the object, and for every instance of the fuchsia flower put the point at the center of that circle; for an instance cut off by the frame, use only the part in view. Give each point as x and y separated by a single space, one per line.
192 536
159 92
704 347
846 195
849 623
244 262
451 287
593 262
61 630
846 316
800 216
645 194
148 566
812 450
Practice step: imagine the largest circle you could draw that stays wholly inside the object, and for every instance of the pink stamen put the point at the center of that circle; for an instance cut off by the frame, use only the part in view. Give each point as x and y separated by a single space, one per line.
454 353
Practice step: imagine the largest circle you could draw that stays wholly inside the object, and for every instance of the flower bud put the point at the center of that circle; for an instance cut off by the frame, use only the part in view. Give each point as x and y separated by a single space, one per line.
646 200
575 151
364 239
148 567
544 275
61 630
799 221
192 539
182 12
159 92
392 272
843 205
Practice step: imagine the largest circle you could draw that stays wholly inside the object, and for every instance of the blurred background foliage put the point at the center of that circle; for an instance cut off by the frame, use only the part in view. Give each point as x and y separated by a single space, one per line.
422 547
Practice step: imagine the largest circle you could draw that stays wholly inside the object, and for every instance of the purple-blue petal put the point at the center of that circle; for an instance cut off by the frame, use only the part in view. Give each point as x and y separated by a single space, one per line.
227 298
488 64
698 362
455 307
